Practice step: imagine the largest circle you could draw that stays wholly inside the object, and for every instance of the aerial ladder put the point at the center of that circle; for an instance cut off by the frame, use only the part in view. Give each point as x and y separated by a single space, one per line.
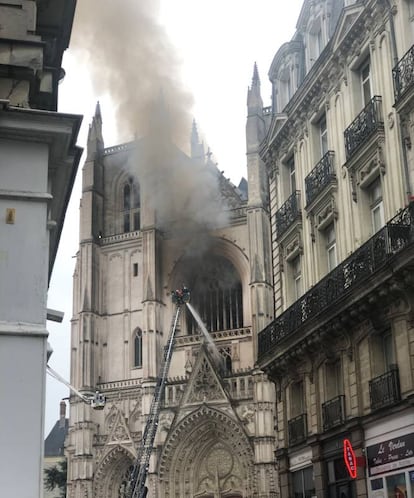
136 486
96 400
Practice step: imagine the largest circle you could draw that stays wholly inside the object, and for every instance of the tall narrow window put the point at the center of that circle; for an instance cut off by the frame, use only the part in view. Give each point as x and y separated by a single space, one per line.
383 352
376 205
334 384
323 136
315 44
296 277
366 87
330 246
138 349
388 350
127 196
296 401
303 484
319 41
131 204
292 174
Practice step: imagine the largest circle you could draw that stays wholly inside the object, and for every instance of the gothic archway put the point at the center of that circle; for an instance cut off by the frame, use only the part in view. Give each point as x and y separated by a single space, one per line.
111 473
207 455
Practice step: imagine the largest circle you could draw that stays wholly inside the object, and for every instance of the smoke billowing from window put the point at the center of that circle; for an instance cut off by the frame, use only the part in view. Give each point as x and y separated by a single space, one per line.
129 57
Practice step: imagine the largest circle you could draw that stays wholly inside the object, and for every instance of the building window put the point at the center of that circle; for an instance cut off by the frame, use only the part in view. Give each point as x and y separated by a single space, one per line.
339 482
323 136
290 165
315 43
397 486
303 484
135 269
226 354
388 350
296 399
334 384
138 348
383 351
330 247
127 196
286 89
376 205
131 204
296 271
366 86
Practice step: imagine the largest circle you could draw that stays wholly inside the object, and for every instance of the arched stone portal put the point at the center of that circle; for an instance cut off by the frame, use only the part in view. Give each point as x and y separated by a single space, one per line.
112 473
207 455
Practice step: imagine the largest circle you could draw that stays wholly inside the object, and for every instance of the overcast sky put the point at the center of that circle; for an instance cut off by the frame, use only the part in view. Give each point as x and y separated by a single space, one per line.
217 43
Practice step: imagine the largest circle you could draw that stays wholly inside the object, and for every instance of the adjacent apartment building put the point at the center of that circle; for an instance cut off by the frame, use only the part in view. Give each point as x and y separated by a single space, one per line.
337 144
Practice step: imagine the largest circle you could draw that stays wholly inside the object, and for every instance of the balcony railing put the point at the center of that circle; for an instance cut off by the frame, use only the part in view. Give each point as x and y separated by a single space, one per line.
297 429
333 412
403 74
363 126
288 213
321 176
395 236
385 389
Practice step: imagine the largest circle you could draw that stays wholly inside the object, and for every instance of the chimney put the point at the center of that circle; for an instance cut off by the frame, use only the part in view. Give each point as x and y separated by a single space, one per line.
62 415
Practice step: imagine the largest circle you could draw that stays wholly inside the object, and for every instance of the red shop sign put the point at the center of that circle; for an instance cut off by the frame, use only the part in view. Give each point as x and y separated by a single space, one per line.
350 458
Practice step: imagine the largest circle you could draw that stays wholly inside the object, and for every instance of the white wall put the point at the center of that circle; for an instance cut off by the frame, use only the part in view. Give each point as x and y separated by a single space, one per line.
23 337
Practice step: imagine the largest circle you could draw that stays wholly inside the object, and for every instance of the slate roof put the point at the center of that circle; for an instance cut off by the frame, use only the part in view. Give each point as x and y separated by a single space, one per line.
55 441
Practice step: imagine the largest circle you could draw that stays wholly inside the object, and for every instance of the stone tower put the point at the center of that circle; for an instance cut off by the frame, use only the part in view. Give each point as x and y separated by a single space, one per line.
143 234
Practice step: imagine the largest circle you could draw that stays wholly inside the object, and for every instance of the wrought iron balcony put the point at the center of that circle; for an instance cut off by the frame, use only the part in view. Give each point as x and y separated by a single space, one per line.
394 237
333 412
321 176
385 389
403 75
297 429
288 213
368 121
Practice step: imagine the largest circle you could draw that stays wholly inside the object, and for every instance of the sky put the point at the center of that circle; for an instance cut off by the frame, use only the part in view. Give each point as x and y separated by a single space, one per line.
216 43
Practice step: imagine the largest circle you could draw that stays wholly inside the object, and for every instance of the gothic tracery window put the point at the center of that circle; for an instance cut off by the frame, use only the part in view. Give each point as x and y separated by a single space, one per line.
131 206
216 296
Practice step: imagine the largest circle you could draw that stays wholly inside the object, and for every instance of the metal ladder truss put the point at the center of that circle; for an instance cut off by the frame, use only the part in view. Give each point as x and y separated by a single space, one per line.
140 469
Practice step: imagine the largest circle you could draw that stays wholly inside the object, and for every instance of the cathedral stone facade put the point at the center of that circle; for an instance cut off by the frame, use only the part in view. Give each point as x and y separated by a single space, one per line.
216 431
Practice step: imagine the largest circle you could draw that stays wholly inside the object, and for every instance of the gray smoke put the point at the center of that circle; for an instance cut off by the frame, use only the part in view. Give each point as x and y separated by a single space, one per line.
130 58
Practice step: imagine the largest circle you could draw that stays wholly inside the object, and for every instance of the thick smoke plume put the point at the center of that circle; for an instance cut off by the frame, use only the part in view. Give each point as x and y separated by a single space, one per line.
129 57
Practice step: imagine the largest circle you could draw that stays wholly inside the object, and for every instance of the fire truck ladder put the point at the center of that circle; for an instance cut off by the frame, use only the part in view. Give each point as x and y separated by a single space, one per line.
140 470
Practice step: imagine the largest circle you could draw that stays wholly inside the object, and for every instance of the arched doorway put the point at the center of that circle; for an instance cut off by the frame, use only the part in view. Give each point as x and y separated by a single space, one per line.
207 455
112 473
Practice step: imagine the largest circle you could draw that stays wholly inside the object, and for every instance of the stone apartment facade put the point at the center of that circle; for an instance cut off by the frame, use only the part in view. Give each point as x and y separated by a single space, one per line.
338 152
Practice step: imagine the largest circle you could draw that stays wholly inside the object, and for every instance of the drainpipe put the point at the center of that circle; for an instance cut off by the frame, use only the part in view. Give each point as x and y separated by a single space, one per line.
395 59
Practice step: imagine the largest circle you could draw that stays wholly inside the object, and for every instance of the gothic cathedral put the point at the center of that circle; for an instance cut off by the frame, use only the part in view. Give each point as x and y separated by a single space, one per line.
142 236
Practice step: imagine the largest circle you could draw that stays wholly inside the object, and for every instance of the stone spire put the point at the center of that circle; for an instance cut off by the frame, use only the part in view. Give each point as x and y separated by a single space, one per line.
95 143
255 79
254 98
